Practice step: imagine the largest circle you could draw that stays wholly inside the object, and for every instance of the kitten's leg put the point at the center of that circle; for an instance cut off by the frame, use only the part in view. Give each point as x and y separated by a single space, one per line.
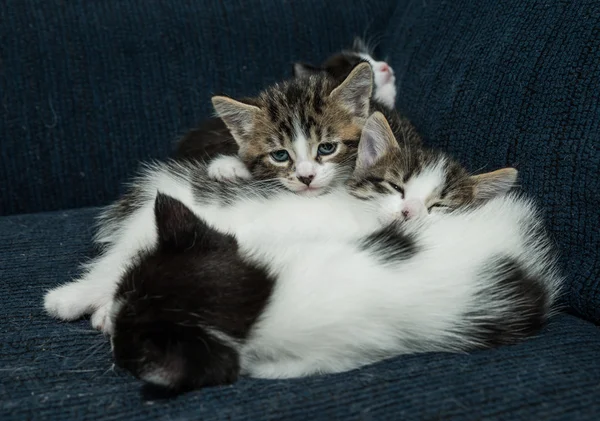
89 293
284 369
228 168
94 292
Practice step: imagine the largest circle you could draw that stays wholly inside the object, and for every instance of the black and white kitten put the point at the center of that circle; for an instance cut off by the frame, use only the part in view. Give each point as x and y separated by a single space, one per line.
480 276
183 335
339 66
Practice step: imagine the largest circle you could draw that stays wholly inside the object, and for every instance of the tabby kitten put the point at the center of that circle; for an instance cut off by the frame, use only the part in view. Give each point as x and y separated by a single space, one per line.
213 140
303 132
409 180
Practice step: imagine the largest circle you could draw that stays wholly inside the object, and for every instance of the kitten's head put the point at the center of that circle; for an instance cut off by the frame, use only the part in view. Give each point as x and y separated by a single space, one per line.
407 181
341 64
303 132
176 302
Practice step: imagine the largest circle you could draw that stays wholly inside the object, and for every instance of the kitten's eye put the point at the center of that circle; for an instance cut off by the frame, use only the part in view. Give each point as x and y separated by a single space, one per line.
397 188
326 148
437 206
280 156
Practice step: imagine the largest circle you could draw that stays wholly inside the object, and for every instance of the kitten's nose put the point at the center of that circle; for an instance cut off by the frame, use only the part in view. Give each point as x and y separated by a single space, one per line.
383 67
307 179
406 214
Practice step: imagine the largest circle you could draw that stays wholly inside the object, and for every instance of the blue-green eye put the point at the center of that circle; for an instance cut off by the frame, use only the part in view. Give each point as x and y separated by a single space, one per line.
327 148
280 156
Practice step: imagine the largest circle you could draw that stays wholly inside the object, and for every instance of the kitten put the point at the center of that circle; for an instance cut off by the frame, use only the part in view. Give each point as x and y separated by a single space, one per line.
212 140
181 335
339 66
481 276
302 131
408 180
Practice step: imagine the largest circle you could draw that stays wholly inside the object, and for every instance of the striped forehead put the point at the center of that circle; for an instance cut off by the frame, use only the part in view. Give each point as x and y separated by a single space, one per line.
431 178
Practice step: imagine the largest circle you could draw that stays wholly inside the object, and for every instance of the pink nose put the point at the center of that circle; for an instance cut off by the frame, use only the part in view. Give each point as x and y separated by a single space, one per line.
384 68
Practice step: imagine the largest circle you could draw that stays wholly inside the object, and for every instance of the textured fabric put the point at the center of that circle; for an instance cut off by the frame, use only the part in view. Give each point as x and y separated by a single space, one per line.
62 371
90 88
514 83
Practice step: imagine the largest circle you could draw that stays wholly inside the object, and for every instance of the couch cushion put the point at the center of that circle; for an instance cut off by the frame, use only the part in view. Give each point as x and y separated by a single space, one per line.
91 88
53 370
514 83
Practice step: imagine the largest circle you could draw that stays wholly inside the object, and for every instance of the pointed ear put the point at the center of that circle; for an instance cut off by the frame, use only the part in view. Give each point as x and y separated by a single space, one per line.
359 45
377 139
237 116
495 183
175 222
303 70
354 93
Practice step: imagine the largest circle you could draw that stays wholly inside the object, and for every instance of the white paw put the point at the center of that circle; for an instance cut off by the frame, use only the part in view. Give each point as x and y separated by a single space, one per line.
228 168
386 93
67 302
101 319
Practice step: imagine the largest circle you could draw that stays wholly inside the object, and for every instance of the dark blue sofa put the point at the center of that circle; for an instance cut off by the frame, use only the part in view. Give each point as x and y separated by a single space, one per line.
90 88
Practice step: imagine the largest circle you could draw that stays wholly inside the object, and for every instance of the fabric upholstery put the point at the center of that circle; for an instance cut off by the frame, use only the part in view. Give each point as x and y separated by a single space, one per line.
62 371
91 88
88 89
514 84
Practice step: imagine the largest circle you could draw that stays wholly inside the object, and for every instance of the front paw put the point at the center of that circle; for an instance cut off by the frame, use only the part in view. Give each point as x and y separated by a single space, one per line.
101 319
228 168
67 302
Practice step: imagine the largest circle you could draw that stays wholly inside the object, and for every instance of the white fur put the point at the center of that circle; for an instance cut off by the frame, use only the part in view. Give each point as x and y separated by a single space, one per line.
255 220
228 168
417 190
336 307
385 81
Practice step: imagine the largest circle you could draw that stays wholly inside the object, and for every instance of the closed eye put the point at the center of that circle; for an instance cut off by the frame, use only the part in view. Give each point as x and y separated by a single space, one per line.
438 206
397 188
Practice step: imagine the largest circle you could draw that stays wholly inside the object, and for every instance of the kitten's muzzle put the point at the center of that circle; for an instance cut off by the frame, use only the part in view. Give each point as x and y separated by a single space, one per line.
306 179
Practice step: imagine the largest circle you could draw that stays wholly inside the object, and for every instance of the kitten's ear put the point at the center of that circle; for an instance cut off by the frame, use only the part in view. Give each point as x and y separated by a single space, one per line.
175 222
355 91
303 70
377 139
237 116
495 183
360 46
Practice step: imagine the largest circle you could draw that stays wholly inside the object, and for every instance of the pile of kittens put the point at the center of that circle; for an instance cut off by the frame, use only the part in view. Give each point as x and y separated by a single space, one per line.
308 230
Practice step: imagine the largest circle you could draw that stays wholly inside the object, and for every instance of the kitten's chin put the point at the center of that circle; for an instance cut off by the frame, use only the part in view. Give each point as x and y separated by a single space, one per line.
311 191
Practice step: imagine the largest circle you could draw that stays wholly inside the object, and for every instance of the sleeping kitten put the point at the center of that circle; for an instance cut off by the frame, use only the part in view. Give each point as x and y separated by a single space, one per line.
339 66
481 276
407 180
176 334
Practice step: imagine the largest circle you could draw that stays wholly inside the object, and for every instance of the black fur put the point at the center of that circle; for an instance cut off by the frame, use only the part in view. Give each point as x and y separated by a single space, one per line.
181 299
390 244
522 318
